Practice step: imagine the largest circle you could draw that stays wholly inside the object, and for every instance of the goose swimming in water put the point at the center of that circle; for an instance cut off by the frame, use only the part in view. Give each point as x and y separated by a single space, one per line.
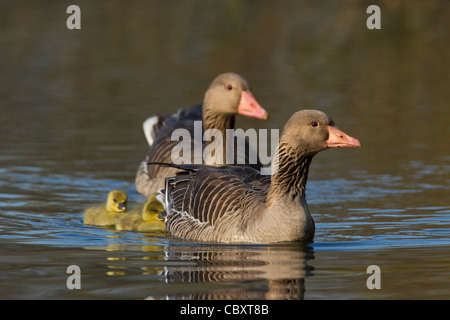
228 94
149 217
106 215
231 204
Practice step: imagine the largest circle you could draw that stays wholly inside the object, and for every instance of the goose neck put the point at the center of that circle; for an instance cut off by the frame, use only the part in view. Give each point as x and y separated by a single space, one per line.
219 121
291 176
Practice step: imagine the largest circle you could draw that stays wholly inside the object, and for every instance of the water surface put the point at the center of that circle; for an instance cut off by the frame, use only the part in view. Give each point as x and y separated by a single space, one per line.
73 102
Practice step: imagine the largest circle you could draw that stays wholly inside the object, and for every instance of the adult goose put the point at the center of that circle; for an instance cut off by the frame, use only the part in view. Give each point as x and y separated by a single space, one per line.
228 94
231 204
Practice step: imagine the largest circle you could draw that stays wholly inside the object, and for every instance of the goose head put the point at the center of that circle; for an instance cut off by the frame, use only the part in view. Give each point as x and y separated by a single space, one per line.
230 94
117 201
153 210
312 131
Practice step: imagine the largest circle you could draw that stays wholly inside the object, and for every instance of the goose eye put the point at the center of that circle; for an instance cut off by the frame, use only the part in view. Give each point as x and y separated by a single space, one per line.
314 124
114 200
229 87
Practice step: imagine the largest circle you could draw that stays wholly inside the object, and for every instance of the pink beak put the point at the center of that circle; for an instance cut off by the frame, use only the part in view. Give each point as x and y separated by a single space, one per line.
337 138
248 106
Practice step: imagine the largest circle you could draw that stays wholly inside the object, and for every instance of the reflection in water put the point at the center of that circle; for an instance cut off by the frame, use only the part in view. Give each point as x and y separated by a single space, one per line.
194 271
284 268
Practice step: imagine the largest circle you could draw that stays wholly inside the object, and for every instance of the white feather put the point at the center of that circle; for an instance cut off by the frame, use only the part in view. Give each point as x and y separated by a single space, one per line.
148 125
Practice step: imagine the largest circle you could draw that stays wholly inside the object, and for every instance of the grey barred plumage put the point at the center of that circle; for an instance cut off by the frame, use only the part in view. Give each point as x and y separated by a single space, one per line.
228 94
232 204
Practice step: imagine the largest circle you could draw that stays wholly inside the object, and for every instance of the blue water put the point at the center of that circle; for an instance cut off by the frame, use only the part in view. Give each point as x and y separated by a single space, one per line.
72 106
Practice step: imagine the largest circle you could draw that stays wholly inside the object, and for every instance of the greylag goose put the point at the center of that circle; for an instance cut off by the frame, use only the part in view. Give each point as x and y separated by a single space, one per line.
106 215
228 94
232 204
149 217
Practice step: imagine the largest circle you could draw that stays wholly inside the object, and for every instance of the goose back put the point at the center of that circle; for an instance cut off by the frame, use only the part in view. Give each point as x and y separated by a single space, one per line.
149 178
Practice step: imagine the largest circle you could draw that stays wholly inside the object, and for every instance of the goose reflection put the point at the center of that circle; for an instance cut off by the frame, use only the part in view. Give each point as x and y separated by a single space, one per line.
216 272
240 272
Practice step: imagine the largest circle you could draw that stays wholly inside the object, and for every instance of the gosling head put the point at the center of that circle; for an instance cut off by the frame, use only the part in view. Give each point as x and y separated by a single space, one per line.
153 210
117 201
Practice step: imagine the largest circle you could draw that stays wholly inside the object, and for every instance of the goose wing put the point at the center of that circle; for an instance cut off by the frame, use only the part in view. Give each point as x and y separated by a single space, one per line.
202 196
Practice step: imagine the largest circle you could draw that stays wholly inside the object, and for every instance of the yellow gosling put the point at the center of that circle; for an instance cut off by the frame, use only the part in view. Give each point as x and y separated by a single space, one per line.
149 217
106 215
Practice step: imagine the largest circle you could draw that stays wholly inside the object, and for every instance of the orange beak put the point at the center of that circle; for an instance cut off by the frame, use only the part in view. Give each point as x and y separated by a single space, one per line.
248 106
337 138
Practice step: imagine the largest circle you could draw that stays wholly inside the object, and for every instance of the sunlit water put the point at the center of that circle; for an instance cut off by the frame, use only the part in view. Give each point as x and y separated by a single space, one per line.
72 110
